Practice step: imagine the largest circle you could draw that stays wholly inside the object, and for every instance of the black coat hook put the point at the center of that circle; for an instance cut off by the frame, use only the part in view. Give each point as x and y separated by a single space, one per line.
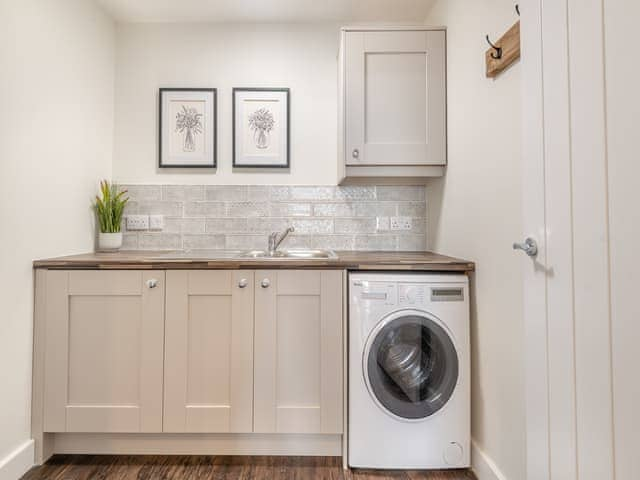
518 9
498 54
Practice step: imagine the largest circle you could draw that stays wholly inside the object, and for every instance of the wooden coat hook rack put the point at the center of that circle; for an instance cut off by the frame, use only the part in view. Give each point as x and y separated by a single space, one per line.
504 51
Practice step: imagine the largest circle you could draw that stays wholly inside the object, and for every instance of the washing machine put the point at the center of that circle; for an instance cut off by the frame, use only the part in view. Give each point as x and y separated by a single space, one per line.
409 389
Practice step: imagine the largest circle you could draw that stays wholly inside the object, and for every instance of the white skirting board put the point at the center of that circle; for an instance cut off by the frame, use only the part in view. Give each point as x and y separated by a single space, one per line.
483 466
18 462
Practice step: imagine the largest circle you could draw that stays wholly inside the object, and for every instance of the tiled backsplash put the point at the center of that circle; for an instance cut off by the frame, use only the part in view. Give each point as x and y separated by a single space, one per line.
242 216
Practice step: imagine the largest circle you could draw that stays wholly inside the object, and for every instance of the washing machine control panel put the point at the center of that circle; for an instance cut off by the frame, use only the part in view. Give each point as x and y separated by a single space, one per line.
409 295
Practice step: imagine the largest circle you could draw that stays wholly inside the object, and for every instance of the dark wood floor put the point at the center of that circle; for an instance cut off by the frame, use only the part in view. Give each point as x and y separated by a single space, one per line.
108 467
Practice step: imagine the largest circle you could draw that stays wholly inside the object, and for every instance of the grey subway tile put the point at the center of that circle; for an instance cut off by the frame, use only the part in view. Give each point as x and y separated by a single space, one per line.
226 193
290 210
246 242
375 242
169 209
376 209
181 193
311 225
258 193
400 193
355 225
355 192
204 209
311 193
226 225
412 209
334 210
247 209
205 241
160 241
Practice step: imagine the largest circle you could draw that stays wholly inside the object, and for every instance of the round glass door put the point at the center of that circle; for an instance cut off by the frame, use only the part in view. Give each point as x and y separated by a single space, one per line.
411 366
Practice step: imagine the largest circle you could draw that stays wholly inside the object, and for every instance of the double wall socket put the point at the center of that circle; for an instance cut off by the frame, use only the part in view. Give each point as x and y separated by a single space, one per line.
401 223
145 222
137 222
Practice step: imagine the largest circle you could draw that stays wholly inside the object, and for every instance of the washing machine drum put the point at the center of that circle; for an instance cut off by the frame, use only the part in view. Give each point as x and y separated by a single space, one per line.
411 366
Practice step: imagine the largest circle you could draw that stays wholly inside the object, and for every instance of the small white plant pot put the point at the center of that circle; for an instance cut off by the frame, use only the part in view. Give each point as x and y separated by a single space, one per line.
109 241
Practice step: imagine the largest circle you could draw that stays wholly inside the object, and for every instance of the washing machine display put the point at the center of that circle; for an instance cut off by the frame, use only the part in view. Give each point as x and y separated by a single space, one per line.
410 365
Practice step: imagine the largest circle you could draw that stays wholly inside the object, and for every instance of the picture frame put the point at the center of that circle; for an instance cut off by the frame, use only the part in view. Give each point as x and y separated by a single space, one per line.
261 128
187 128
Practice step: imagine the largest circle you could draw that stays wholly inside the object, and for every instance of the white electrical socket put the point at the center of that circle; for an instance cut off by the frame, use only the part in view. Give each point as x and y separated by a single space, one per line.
137 222
156 222
401 223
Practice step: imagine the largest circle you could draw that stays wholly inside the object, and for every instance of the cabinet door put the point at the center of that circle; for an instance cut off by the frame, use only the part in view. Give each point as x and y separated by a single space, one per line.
208 377
298 352
103 354
395 98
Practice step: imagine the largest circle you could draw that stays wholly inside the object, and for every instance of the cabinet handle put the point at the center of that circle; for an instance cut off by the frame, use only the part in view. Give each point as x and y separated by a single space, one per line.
265 283
242 283
152 283
355 153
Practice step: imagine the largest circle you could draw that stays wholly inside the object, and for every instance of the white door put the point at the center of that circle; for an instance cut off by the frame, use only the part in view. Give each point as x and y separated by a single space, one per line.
581 107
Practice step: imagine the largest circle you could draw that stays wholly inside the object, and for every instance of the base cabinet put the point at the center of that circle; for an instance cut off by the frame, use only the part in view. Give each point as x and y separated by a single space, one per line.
298 352
103 351
208 369
191 352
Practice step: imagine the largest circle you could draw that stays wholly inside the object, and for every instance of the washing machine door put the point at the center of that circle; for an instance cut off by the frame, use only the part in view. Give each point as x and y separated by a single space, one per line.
410 365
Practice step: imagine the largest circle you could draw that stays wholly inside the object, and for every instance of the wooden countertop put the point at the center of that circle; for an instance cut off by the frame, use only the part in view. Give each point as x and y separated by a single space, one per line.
352 260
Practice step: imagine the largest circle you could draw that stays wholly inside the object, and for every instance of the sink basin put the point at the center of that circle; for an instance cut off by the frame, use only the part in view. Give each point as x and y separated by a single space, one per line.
255 254
292 254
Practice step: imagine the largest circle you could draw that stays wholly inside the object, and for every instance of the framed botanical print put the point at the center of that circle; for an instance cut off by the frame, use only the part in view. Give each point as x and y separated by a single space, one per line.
261 128
187 128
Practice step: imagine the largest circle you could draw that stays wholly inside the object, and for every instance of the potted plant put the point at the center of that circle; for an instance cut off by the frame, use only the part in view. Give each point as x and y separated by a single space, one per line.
109 210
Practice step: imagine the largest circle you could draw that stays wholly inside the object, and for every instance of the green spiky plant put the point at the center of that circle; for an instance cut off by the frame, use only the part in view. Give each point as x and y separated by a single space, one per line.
110 207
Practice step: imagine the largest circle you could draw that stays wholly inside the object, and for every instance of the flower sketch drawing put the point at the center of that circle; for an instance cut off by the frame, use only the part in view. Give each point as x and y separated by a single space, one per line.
189 122
261 122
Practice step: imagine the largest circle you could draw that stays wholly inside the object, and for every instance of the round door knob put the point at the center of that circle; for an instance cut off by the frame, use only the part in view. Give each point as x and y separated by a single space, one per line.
243 283
265 283
152 283
355 153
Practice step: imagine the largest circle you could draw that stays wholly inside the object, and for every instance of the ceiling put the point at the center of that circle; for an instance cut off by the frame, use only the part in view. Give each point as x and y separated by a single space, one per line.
268 11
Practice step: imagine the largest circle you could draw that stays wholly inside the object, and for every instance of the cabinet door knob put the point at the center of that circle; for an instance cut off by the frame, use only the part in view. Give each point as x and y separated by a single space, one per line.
265 283
242 283
355 153
152 283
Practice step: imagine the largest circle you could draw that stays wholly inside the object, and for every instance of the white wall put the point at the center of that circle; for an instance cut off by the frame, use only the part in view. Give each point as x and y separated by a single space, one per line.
475 212
301 57
56 130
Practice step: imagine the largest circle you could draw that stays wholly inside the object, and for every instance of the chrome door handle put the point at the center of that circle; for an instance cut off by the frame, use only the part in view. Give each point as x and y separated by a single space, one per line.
243 283
265 283
355 153
530 247
152 283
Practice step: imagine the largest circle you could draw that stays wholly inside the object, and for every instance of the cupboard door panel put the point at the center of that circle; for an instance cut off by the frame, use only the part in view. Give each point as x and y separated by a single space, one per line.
209 352
298 352
104 343
395 98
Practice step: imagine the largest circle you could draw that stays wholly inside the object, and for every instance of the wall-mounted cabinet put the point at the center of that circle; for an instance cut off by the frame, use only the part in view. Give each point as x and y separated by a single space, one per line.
392 102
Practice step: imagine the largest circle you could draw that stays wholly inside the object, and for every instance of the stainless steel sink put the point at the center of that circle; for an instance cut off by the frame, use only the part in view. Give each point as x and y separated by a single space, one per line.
209 255
292 254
